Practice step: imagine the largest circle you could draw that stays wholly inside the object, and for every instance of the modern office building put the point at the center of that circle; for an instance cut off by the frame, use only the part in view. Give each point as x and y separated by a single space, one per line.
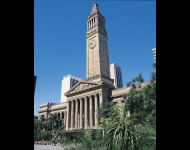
116 75
67 83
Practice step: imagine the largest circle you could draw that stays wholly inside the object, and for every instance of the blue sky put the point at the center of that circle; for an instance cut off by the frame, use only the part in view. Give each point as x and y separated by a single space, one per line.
60 41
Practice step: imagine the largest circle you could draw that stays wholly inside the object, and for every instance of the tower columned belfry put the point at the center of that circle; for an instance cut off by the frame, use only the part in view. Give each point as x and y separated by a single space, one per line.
97 60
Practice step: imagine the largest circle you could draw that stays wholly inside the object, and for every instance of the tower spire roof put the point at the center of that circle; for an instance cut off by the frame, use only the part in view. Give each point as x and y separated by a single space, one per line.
95 8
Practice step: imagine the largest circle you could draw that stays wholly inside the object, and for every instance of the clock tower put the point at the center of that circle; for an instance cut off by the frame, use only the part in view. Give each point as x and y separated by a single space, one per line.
97 60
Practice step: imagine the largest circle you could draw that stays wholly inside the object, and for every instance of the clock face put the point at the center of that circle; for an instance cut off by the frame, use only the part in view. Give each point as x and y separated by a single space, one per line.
92 43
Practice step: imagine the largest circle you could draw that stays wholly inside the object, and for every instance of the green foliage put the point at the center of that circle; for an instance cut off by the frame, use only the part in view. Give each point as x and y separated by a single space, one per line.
131 125
146 135
105 110
89 139
119 129
137 81
48 129
45 135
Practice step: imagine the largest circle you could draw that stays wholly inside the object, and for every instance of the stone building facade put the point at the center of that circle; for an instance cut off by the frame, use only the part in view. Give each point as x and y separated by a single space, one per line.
80 111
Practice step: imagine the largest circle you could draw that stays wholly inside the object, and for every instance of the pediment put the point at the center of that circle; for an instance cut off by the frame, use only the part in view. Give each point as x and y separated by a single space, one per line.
80 86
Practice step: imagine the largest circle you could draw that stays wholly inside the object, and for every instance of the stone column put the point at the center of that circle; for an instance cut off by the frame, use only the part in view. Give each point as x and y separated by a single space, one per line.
67 123
90 112
85 114
61 117
100 98
72 109
81 106
96 110
100 102
76 114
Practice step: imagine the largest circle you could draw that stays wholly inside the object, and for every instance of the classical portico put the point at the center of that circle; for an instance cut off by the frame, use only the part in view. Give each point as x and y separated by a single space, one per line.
83 112
84 101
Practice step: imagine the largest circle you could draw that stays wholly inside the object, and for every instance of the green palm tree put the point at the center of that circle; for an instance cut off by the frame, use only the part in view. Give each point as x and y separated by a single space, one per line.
131 125
119 130
139 79
54 125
